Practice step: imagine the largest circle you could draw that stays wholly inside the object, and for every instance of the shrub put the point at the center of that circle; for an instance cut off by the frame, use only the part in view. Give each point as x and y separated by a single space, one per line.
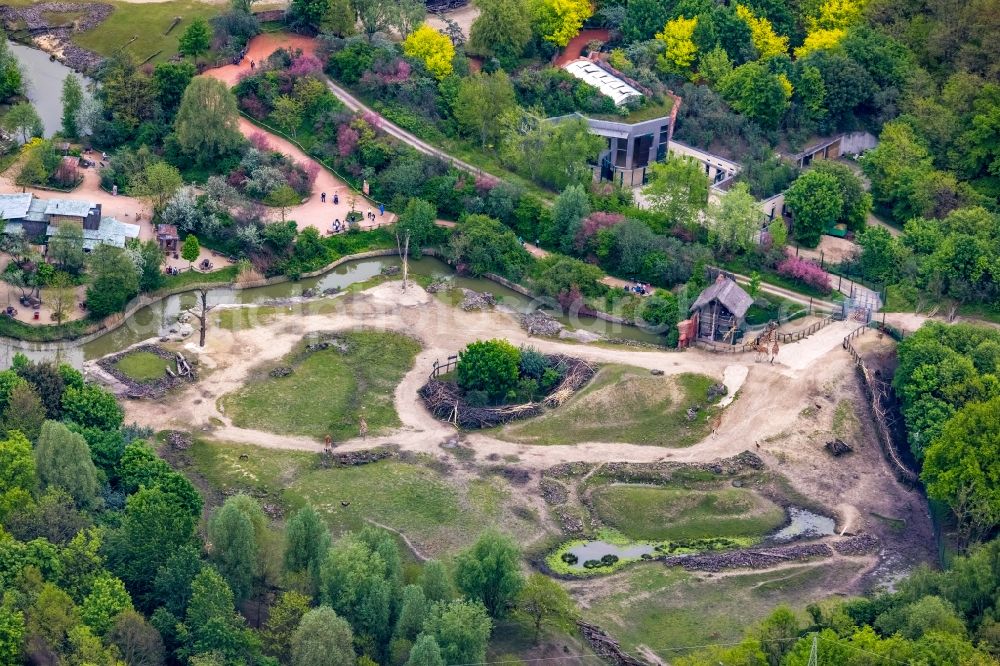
492 366
807 272
609 559
533 363
591 564
569 558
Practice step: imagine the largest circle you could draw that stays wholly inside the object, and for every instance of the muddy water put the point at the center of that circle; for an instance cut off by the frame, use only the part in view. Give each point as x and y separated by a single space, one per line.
595 550
804 524
155 319
45 81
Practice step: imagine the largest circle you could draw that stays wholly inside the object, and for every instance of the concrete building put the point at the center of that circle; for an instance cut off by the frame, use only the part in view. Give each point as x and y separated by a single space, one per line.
38 219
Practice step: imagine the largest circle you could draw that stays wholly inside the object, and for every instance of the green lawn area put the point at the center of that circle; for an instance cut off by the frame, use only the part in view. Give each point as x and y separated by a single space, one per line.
439 513
146 22
624 404
143 366
330 390
671 610
673 513
191 278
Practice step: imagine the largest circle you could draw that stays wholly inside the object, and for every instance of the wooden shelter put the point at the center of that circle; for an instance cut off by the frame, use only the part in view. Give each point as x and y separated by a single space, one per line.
719 312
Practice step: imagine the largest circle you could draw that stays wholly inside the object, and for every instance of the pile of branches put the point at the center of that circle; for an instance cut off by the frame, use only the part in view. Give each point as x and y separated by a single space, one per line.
606 646
446 402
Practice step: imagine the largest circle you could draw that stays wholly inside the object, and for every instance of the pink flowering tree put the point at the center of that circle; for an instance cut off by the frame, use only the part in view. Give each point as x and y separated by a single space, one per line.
807 272
260 141
594 223
347 140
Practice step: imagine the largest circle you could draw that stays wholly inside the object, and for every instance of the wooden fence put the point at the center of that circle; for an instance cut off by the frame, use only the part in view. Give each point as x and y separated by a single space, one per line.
722 348
438 369
880 399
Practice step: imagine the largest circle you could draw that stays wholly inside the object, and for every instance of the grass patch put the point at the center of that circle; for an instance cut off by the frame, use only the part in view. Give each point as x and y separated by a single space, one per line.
329 390
148 22
191 278
671 610
438 513
845 421
669 513
624 404
143 366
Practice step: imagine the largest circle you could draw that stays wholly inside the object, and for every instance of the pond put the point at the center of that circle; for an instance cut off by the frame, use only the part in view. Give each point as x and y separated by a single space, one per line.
153 321
804 523
595 550
44 83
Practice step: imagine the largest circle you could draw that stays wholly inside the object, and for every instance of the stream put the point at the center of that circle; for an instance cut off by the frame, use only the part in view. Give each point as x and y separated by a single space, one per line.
153 320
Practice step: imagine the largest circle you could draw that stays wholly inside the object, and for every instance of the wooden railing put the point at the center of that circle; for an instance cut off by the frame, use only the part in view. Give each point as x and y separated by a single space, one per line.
880 398
439 369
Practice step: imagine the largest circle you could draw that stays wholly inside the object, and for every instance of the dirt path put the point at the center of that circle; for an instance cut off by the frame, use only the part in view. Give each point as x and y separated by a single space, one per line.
313 212
576 45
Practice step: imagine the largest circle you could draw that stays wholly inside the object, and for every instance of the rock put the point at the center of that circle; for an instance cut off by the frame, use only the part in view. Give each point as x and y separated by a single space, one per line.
474 300
280 371
553 492
717 391
580 335
656 372
692 413
540 323
438 285
391 270
838 447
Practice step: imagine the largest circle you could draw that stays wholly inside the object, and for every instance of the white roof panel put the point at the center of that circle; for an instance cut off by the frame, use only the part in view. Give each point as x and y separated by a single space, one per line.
610 85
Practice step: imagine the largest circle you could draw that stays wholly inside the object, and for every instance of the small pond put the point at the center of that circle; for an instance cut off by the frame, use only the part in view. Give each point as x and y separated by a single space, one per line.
804 523
153 320
595 550
44 82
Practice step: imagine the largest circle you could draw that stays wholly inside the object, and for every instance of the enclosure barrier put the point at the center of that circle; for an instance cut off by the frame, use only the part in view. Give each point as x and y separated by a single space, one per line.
879 396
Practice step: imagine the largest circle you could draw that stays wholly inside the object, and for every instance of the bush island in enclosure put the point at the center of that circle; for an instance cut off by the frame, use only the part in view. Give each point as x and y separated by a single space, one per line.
489 367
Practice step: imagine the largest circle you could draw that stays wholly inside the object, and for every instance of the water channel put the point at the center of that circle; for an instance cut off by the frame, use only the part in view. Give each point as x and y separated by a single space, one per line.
44 83
153 320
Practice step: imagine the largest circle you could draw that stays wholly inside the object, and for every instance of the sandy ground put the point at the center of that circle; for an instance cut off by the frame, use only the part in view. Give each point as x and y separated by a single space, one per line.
831 250
463 16
782 411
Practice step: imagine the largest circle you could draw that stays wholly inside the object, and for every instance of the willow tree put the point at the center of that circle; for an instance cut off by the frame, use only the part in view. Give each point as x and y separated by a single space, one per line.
207 124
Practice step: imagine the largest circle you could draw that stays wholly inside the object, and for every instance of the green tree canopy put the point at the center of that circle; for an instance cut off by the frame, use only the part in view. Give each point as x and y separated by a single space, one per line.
207 123
816 202
481 244
489 572
196 39
481 101
461 629
425 652
489 366
322 639
678 189
63 460
502 30
544 601
24 412
72 100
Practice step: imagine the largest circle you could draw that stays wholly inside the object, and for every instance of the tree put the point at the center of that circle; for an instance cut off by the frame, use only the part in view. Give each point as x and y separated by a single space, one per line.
435 583
409 14
357 581
568 212
307 541
553 154
170 79
197 38
461 629
559 21
151 256
543 600
374 15
489 366
172 583
114 280
207 124
679 47
72 100
425 652
881 255
678 189
484 245
735 220
714 65
765 40
283 619
23 120
322 639
18 479
106 601
962 464
137 641
418 220
778 634
502 30
32 170
190 249
489 572
8 380
481 101
155 525
815 201
758 94
212 622
12 631
63 461
24 412
307 16
92 407
66 247
238 533
47 380
11 79
157 184
284 197
856 202
432 48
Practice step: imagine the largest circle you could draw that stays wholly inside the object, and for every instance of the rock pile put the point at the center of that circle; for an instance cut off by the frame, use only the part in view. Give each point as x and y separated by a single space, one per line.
474 300
55 39
861 544
553 492
750 558
838 447
539 323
